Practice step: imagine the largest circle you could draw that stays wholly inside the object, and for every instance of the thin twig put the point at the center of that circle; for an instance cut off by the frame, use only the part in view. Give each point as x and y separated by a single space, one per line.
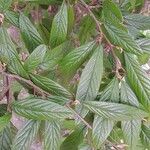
3 93
26 81
9 95
86 123
91 14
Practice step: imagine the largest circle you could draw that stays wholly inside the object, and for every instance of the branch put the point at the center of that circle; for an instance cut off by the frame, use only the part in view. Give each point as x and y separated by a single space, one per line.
26 81
79 117
3 93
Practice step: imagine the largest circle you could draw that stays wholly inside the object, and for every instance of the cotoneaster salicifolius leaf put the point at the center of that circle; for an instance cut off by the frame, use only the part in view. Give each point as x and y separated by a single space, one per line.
58 59
90 80
131 129
102 127
26 135
138 79
29 33
59 26
39 109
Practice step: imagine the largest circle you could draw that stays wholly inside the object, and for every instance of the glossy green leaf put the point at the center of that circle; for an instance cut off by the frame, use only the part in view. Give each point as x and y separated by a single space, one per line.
90 79
71 62
139 80
50 86
26 135
121 38
52 135
39 109
29 33
145 136
73 140
4 120
101 130
6 138
138 21
35 58
12 17
9 55
59 27
5 4
115 111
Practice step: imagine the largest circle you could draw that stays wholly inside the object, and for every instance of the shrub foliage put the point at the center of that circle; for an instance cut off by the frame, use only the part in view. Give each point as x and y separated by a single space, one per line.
81 65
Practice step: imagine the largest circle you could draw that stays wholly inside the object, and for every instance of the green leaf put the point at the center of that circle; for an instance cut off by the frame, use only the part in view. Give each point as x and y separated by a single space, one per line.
131 129
115 111
101 130
5 138
39 109
59 27
3 109
102 126
135 33
143 59
73 140
12 17
111 92
58 99
138 21
71 18
4 120
145 136
133 3
87 28
29 33
90 80
139 80
120 38
14 130
111 10
50 86
5 4
52 57
52 135
127 96
71 62
144 43
9 55
26 135
35 58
